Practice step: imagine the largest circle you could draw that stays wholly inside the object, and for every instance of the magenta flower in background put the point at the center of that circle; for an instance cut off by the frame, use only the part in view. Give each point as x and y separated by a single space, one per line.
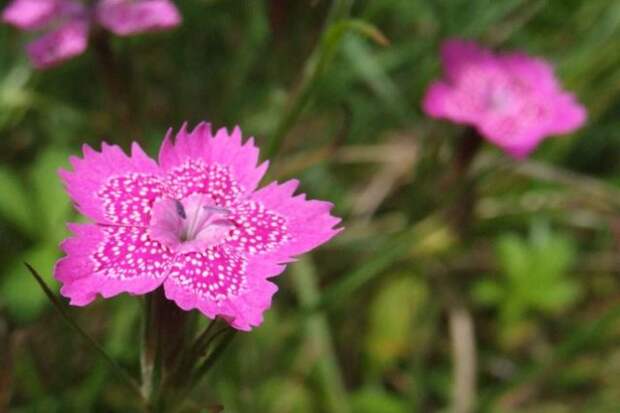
512 99
66 23
194 223
125 18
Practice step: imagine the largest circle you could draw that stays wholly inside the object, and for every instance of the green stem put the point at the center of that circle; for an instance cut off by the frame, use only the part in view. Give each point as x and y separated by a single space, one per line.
178 377
117 84
340 10
314 68
199 373
213 356
148 348
460 320
172 330
203 339
129 380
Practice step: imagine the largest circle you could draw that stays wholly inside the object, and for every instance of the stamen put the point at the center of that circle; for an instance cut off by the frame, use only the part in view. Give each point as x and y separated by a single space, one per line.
217 210
180 209
191 223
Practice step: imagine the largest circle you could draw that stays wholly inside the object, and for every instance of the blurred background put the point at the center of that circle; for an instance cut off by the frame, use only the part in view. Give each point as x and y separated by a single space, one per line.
378 319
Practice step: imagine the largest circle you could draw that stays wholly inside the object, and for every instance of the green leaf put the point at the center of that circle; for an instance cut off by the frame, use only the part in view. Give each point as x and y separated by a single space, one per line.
52 203
488 292
280 395
375 400
374 75
23 297
561 296
15 98
513 256
15 205
394 330
317 66
536 274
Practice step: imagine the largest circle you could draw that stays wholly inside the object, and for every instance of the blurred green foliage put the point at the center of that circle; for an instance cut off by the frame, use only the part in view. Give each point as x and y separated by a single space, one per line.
535 273
361 326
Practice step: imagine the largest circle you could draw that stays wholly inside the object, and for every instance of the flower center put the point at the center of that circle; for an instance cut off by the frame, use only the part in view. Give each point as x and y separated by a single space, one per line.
191 224
507 94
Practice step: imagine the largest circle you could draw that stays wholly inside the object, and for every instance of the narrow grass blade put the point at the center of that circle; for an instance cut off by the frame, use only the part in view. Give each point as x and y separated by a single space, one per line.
180 398
336 26
133 385
319 338
429 234
213 356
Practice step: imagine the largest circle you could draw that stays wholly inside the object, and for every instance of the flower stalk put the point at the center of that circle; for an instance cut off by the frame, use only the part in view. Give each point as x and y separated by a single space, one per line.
166 333
460 320
117 84
203 355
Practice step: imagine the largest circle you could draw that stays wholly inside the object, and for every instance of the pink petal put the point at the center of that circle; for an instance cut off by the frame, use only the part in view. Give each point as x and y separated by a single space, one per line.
69 40
460 105
222 283
257 230
219 165
127 17
521 150
112 188
228 149
570 115
30 14
433 101
532 71
110 260
307 223
506 135
457 55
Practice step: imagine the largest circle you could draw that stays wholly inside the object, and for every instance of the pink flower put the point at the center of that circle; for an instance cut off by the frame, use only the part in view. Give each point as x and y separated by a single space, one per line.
59 45
195 224
67 23
31 14
512 99
124 18
65 20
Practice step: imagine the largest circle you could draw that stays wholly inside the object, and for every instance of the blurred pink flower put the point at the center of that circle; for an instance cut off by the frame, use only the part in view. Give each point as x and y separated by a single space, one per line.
67 23
195 224
31 14
124 18
512 99
59 45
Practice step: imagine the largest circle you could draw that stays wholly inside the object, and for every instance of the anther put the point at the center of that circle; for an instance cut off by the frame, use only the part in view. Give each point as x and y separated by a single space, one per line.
180 209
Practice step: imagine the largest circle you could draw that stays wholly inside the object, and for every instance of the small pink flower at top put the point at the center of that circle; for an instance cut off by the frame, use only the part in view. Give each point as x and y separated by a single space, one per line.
125 18
512 99
66 23
195 224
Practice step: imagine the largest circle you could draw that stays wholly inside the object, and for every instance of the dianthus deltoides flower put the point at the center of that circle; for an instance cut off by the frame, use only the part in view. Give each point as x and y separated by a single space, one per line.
512 99
66 23
195 224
